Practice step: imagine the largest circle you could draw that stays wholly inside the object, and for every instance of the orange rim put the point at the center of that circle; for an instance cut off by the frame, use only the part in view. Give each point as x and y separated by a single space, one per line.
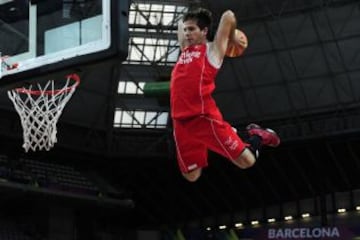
73 77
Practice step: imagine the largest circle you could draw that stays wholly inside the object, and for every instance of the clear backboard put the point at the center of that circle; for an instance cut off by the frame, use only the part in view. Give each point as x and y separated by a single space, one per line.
38 37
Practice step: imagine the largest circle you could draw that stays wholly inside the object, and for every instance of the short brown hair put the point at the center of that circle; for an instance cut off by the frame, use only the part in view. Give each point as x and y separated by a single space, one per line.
202 16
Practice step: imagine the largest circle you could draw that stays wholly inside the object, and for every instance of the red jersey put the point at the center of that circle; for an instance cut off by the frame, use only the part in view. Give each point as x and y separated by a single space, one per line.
192 83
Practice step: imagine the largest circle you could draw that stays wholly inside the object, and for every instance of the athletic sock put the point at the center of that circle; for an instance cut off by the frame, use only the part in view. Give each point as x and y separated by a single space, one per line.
254 145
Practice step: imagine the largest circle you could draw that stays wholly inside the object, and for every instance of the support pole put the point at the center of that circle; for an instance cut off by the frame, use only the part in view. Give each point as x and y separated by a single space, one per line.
157 89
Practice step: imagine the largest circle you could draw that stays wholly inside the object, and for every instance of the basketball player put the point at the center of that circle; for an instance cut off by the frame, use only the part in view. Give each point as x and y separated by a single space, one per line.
198 125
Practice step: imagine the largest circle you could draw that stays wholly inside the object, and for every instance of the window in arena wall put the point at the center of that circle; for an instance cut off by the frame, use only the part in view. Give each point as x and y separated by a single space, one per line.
129 87
140 119
153 29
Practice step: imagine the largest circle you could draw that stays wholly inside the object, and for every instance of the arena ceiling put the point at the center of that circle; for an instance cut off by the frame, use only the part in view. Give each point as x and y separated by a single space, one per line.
299 76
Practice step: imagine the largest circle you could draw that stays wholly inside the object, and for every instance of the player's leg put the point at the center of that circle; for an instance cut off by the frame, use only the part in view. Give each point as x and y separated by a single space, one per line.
193 175
220 137
192 158
258 137
246 159
191 154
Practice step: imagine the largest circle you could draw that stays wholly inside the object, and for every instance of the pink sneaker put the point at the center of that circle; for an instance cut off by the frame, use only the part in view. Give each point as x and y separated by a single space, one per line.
268 136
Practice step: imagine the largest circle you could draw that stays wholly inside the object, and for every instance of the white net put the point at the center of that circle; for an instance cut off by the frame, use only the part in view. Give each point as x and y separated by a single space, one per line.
39 109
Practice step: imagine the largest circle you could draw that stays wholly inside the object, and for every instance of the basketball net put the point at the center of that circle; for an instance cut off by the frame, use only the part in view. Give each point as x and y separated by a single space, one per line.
39 109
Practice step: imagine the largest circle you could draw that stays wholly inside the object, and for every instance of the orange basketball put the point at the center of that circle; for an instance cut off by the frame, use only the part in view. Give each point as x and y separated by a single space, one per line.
234 50
237 47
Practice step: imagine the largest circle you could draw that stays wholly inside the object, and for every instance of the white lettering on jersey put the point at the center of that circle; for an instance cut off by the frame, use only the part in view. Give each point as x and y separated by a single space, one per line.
187 56
232 144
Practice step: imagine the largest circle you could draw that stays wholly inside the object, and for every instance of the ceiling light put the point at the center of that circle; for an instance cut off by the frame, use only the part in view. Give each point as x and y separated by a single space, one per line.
341 210
238 225
305 215
255 222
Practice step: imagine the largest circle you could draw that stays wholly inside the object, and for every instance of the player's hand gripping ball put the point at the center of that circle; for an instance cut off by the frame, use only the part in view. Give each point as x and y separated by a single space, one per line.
237 46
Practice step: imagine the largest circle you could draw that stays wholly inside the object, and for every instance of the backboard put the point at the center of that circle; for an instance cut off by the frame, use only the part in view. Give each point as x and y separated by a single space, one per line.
44 36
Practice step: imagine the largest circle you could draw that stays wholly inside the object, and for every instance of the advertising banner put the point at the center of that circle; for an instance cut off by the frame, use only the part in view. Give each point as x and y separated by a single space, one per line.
306 233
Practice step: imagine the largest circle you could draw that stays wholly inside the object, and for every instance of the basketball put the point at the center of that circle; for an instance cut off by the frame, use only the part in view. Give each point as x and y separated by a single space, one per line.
237 47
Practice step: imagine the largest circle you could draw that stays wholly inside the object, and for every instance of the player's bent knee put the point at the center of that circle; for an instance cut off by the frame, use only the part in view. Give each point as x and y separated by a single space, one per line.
245 160
193 175
249 162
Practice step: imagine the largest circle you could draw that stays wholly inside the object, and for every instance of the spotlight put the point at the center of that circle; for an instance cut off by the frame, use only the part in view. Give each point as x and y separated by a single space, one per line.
222 227
255 222
341 210
305 215
239 225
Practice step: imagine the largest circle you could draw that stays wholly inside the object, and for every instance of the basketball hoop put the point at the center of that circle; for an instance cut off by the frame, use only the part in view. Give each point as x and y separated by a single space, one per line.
39 109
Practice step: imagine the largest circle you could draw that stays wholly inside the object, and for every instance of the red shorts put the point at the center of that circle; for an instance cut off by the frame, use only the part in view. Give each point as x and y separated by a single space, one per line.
194 137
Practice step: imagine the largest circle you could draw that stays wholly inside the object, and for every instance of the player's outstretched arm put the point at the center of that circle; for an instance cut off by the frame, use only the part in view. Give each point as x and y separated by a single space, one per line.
224 33
181 34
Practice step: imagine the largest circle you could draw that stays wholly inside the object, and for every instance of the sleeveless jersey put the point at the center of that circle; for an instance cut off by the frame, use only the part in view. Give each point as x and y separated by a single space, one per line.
192 83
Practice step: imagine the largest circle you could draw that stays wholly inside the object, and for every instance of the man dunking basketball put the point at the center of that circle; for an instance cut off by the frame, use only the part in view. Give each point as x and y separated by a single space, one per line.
198 123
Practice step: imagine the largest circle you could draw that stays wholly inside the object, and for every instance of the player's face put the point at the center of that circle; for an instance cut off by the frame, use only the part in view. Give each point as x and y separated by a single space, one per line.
193 34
